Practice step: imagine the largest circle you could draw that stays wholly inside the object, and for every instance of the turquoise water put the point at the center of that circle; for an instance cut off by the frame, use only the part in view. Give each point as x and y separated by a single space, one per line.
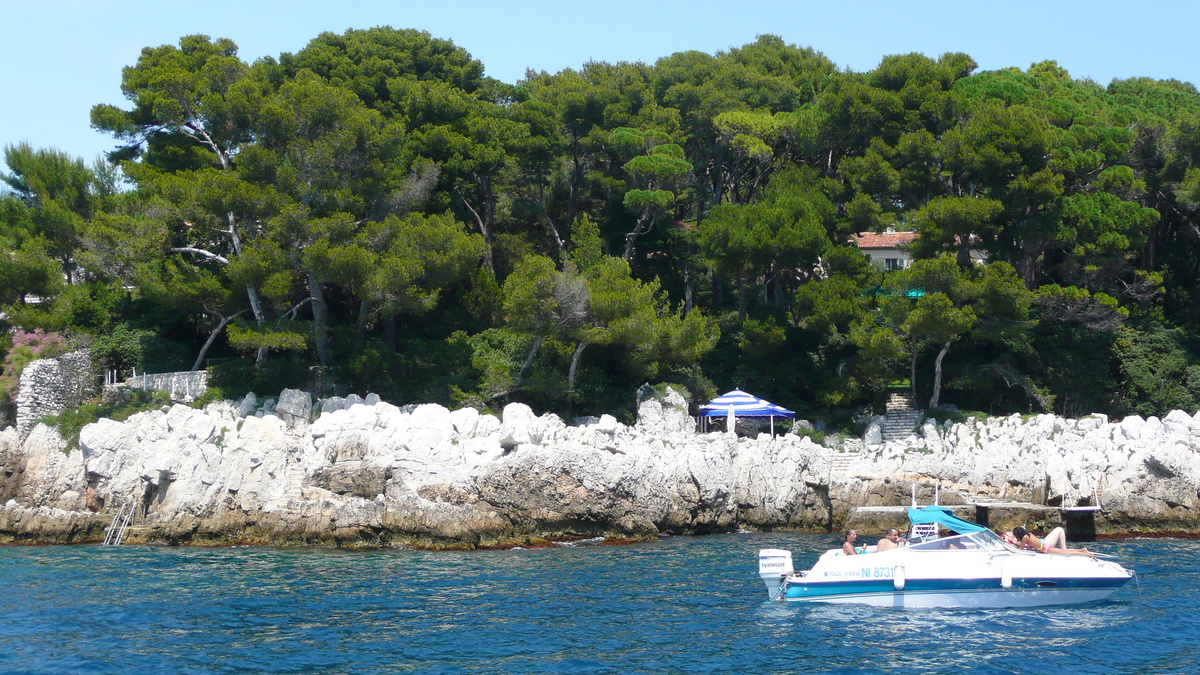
683 605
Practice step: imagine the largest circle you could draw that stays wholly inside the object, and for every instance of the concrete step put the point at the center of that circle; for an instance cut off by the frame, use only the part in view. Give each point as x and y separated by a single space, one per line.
842 462
295 482
901 418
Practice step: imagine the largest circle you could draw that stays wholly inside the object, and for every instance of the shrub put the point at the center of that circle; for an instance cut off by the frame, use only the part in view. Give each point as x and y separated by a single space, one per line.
27 347
125 348
817 437
944 416
1159 373
118 405
238 377
210 395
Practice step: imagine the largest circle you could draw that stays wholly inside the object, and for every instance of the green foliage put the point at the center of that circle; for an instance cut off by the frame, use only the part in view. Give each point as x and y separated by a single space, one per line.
249 338
374 205
1159 371
817 437
28 270
1074 361
23 348
950 417
210 395
495 359
125 348
119 405
237 378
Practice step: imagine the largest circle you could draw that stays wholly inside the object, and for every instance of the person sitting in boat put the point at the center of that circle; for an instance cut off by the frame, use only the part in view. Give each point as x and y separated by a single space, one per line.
1056 536
890 540
848 547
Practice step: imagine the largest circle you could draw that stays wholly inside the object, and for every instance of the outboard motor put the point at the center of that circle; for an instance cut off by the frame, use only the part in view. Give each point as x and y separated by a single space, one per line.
773 565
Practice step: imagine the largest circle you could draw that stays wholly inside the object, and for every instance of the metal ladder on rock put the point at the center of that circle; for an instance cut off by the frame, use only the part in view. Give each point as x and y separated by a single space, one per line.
119 524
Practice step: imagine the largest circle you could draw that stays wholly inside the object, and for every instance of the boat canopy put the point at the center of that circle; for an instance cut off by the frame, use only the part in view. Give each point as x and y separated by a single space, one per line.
942 516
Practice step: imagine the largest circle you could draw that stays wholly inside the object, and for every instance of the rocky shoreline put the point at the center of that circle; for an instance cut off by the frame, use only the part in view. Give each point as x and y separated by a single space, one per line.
364 473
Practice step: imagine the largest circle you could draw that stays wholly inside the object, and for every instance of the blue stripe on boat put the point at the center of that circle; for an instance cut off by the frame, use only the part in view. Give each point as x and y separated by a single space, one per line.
873 586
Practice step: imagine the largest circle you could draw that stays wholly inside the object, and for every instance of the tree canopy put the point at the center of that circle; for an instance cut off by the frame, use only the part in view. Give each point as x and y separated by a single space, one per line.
374 213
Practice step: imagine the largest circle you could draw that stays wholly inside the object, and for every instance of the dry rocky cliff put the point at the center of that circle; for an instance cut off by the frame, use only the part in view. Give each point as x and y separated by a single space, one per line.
366 473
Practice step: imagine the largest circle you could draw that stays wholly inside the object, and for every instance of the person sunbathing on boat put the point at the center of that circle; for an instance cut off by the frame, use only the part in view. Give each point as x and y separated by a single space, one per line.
848 547
1057 536
890 540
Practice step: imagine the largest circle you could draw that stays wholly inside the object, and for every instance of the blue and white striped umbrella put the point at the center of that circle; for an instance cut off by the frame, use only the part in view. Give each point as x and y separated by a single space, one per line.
743 405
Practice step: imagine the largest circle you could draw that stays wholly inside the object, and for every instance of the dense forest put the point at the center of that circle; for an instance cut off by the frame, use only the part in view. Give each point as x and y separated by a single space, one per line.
372 213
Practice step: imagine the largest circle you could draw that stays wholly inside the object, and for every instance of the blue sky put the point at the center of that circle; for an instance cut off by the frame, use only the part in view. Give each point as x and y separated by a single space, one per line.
59 57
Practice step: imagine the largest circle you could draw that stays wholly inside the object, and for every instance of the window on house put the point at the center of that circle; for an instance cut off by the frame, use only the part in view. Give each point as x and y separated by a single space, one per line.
891 264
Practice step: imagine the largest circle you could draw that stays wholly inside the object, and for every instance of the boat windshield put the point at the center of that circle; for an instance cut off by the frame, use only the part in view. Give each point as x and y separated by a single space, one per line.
985 540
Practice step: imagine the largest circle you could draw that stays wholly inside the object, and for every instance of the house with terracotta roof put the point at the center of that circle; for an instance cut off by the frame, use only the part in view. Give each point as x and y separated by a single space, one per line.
888 250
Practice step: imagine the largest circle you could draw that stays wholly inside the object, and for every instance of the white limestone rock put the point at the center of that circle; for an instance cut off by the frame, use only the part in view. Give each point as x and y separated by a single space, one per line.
519 426
294 407
246 407
1177 423
663 412
426 468
874 434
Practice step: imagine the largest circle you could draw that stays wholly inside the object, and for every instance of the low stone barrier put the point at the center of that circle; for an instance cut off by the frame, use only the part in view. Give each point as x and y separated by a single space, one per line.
183 385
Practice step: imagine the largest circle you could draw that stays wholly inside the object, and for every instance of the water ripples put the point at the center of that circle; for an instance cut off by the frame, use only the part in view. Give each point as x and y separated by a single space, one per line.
687 605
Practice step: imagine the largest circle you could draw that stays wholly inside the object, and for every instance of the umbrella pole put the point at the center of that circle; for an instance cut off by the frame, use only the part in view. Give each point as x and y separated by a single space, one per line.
772 426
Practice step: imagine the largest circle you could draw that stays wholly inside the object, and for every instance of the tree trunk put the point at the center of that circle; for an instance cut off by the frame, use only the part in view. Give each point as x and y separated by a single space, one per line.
558 242
485 230
937 375
579 162
212 338
574 366
688 290
638 230
360 330
320 321
260 317
537 344
964 252
912 369
389 331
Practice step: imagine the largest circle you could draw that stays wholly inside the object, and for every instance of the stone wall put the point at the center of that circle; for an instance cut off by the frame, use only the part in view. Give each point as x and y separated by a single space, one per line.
183 385
50 385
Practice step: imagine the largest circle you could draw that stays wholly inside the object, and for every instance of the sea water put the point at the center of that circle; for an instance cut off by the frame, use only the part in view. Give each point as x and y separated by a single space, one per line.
678 605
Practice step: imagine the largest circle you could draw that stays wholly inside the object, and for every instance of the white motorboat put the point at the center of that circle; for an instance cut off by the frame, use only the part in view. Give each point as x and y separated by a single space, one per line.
970 566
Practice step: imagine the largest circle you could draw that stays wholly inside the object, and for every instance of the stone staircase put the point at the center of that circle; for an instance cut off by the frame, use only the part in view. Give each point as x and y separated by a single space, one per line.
901 418
295 482
842 462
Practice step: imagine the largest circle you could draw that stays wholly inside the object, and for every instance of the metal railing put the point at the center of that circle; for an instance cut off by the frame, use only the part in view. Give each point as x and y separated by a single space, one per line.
119 524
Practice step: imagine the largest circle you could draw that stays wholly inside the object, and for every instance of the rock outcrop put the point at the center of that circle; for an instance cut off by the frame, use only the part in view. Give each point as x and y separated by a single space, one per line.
362 472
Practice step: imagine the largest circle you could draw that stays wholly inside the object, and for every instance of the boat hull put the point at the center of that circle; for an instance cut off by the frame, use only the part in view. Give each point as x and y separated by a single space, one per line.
972 567
977 598
950 578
